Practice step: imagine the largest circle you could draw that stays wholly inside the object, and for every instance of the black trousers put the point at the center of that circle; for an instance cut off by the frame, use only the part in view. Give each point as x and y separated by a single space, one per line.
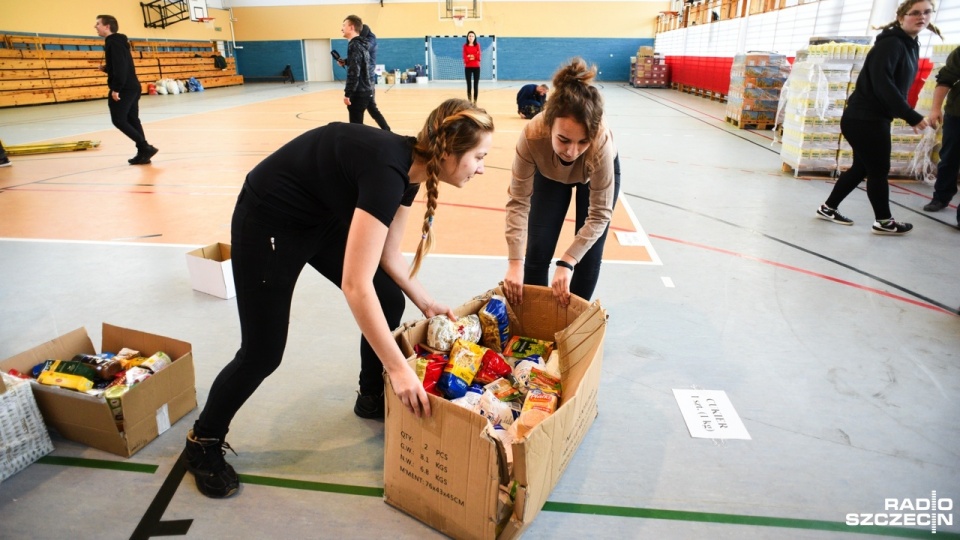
268 254
358 104
472 73
870 140
375 112
548 208
125 115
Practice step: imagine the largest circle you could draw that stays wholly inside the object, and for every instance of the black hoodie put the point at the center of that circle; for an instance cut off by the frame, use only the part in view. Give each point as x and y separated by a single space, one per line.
885 80
121 73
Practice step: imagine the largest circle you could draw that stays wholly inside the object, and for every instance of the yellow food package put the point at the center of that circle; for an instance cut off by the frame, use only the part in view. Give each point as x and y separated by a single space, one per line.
65 380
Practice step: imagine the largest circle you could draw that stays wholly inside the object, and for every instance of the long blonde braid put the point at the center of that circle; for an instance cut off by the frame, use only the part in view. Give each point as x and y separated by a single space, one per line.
451 129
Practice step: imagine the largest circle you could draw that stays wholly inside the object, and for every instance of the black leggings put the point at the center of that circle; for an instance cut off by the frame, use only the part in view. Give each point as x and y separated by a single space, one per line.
267 256
473 73
870 140
548 208
125 115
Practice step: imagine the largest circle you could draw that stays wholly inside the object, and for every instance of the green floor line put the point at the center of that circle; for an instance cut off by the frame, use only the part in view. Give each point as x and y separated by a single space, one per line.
567 508
98 464
761 521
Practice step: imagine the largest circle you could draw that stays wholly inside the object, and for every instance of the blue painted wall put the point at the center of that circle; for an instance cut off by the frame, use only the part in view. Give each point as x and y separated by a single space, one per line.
268 58
518 59
394 53
536 59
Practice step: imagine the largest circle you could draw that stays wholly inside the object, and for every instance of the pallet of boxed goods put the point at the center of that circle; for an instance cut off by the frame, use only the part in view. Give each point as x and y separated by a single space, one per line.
755 83
648 70
812 103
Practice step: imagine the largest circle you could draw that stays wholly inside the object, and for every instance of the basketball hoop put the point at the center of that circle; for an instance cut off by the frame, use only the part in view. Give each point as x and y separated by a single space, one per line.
458 14
207 21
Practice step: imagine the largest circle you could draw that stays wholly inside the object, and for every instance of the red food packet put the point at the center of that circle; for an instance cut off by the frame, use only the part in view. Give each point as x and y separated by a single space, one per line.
492 367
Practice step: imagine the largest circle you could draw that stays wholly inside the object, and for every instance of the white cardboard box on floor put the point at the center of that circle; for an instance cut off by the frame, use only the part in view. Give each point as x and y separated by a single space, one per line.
211 271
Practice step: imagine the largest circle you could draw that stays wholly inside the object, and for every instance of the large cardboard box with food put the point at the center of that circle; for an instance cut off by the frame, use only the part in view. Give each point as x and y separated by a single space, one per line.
451 470
147 398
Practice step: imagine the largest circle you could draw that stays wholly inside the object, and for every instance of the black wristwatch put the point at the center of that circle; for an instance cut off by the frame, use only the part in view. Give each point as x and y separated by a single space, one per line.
565 264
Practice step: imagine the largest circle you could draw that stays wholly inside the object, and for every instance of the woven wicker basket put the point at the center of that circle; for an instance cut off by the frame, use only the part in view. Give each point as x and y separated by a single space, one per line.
23 435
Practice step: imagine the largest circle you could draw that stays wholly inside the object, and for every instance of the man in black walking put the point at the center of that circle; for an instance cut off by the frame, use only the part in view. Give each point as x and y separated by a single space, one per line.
124 97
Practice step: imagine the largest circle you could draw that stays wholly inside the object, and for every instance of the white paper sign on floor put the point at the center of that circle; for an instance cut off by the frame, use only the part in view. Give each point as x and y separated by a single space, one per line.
710 415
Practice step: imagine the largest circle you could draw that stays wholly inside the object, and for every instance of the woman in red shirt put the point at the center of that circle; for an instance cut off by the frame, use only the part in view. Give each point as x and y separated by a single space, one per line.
471 64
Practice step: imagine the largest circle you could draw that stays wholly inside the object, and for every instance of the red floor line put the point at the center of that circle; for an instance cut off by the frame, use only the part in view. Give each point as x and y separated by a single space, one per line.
807 272
924 195
717 118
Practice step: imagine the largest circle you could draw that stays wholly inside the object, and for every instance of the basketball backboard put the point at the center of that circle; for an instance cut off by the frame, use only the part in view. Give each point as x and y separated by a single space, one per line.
460 10
197 9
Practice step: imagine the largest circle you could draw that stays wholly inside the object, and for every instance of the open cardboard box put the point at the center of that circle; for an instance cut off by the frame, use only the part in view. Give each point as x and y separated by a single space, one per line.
211 271
149 408
448 473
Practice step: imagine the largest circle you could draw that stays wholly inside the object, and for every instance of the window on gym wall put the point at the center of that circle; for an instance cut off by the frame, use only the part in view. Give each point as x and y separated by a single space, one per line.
444 57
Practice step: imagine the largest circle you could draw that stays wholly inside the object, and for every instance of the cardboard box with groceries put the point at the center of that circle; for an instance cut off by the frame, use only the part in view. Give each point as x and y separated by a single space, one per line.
446 471
149 408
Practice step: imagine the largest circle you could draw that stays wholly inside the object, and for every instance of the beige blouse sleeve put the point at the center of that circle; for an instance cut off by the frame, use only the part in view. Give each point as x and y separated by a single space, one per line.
520 190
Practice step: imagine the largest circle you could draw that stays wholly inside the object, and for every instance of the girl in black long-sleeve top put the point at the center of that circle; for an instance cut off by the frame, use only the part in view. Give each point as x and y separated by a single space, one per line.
880 96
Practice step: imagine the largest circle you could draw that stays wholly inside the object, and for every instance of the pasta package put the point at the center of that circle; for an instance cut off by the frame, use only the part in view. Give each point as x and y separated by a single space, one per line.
495 323
442 332
461 368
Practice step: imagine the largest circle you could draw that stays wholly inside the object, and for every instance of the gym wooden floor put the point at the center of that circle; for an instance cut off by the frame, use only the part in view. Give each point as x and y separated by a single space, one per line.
186 195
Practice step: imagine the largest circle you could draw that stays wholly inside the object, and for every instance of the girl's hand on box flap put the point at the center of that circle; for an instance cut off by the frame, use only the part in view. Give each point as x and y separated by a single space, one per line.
561 285
513 282
410 390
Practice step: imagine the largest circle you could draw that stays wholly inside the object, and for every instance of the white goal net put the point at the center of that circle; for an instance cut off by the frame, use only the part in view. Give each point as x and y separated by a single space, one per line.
444 57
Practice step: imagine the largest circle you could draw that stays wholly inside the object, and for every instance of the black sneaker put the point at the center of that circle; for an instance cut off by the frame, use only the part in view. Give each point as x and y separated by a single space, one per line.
5 162
370 406
934 206
830 214
204 458
143 156
891 227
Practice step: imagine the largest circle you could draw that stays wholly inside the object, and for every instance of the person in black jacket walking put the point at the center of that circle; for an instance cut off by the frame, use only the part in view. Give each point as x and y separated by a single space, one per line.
372 108
124 97
880 96
358 92
375 113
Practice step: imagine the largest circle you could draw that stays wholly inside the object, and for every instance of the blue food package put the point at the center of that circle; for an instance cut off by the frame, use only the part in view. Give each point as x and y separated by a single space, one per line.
494 323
